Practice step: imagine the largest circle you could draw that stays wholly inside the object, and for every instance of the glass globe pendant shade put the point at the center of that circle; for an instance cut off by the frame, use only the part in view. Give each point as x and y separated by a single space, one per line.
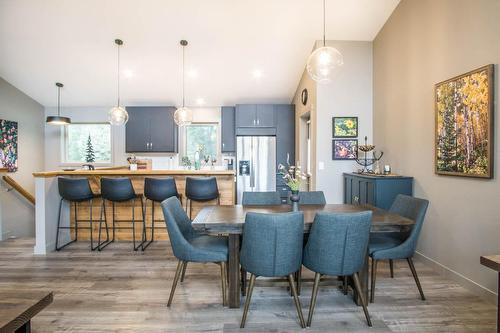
183 116
322 63
117 116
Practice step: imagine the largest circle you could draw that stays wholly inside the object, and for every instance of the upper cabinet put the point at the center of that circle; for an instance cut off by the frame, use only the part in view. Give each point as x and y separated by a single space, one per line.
228 133
285 134
151 129
255 115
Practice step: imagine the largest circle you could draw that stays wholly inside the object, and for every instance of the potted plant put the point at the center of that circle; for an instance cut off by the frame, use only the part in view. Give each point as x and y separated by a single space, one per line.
186 162
293 177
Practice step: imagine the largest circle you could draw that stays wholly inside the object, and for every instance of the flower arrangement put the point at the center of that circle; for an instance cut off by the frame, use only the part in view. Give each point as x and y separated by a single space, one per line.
292 175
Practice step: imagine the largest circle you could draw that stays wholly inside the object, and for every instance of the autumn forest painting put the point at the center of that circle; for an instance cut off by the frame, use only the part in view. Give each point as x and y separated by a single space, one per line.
464 130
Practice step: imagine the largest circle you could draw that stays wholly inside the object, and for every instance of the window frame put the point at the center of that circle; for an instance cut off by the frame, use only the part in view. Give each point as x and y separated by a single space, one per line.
183 150
63 149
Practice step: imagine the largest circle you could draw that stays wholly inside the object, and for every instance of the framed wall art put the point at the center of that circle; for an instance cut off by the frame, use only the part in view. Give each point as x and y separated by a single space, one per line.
344 149
345 127
464 124
8 145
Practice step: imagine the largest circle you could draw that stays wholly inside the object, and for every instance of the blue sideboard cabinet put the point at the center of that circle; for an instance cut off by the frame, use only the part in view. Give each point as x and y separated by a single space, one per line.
378 191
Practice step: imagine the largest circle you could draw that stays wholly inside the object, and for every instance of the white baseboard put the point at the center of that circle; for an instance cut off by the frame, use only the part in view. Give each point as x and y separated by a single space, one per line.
477 289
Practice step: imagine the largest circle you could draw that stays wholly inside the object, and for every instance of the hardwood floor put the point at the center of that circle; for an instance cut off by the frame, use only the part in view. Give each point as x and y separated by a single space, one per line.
118 290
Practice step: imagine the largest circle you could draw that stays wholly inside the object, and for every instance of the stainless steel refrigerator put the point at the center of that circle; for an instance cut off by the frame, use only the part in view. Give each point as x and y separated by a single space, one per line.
256 165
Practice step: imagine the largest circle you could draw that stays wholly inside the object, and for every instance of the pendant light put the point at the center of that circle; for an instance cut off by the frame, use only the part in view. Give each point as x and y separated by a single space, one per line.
183 116
118 115
324 60
58 120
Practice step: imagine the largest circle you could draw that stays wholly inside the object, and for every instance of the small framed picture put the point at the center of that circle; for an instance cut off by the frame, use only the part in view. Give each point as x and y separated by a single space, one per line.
344 149
345 127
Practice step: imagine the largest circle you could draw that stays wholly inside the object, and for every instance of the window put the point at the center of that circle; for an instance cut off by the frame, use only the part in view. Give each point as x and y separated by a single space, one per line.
87 143
197 135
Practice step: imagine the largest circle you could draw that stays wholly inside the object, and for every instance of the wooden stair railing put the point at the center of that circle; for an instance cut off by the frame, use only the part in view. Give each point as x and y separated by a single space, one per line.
16 186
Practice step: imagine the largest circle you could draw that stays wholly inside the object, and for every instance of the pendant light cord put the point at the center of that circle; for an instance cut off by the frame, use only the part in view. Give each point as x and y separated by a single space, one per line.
118 75
324 22
58 101
183 79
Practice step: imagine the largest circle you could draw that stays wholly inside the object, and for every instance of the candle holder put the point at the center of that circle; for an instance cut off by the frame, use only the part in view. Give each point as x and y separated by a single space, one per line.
366 161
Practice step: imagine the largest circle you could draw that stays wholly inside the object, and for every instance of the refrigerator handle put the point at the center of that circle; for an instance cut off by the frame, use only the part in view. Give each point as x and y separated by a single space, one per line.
252 167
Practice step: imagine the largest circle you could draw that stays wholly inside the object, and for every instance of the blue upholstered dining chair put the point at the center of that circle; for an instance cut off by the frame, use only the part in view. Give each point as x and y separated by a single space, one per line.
310 198
189 246
261 198
272 247
337 246
392 246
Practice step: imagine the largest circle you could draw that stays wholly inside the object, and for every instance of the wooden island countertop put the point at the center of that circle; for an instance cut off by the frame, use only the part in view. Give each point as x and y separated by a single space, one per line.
47 201
127 172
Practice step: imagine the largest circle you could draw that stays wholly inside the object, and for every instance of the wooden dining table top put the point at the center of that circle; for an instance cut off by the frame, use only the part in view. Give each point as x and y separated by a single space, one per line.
230 219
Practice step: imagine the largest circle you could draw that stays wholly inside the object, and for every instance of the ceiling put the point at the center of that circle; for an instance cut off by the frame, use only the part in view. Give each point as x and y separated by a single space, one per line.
42 42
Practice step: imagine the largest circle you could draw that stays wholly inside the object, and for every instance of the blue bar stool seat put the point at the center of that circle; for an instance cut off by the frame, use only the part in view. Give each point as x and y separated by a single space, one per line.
119 190
201 189
157 190
75 191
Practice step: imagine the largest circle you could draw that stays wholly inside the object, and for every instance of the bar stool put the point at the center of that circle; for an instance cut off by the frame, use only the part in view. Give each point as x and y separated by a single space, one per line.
157 190
75 190
201 189
119 190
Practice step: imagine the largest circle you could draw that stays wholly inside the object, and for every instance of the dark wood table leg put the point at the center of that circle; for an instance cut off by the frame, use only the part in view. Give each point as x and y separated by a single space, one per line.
363 280
26 328
234 270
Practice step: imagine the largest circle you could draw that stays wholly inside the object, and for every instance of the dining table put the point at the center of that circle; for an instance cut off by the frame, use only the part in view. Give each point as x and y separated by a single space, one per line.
230 220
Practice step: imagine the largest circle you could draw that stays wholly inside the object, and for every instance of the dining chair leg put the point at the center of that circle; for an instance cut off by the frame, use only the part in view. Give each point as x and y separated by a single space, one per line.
247 301
296 300
391 266
374 278
299 280
223 273
415 276
183 271
317 277
344 284
357 285
243 282
176 279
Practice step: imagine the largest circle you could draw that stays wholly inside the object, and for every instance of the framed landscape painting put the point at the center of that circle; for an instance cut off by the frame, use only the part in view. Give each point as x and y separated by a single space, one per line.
344 149
345 127
8 145
464 124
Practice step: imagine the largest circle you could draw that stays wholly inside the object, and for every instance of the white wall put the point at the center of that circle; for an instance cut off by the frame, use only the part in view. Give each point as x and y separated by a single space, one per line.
100 114
16 213
350 94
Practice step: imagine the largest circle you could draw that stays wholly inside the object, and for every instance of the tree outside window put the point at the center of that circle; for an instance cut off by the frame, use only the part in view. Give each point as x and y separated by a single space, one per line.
87 143
201 135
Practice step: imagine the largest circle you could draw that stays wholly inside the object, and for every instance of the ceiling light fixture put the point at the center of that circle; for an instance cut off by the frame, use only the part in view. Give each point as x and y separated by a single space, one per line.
200 101
257 73
192 73
324 60
118 115
58 120
128 73
183 115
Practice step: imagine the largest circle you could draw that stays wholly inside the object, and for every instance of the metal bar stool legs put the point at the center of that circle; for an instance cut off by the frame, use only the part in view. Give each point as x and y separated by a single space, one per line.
76 227
108 241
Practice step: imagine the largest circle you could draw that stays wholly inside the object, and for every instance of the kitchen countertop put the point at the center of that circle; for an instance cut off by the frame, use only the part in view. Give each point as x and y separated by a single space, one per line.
127 172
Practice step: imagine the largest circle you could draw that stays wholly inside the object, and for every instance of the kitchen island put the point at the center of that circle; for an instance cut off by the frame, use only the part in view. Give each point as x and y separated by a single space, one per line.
47 202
